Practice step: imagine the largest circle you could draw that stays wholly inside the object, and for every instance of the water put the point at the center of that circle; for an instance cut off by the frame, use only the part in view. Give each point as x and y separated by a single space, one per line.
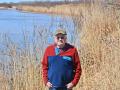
14 23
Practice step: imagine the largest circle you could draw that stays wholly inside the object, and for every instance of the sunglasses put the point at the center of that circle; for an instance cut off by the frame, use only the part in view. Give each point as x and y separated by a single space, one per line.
60 37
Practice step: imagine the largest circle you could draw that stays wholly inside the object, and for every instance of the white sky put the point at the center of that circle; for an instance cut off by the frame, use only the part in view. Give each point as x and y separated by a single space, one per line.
1 1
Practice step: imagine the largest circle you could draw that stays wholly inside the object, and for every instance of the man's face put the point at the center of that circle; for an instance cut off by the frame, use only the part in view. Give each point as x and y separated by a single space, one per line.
60 40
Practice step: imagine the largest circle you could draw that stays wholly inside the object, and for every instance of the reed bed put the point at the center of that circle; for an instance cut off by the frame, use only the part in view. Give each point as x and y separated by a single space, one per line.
99 48
64 9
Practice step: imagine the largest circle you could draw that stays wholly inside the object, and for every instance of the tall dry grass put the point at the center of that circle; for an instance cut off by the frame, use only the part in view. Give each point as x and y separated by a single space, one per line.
21 69
64 9
97 37
99 47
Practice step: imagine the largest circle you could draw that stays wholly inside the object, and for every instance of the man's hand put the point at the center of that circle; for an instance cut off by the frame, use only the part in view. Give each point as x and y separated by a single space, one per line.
49 85
70 86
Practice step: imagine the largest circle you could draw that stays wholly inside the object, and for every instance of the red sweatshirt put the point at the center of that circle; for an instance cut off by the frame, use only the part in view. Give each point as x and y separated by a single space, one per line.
62 67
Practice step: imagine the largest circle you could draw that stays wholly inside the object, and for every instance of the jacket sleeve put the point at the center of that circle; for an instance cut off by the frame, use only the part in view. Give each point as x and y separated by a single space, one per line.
77 68
45 67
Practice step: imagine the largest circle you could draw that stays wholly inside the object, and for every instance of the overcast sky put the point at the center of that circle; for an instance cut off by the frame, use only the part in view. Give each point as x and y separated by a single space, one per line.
1 1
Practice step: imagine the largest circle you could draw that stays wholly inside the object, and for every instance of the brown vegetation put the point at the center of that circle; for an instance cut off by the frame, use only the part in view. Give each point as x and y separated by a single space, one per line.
5 5
100 46
64 9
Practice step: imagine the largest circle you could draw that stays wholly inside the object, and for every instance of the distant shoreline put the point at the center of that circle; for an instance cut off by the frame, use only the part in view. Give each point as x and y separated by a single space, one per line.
64 9
7 9
41 7
1 8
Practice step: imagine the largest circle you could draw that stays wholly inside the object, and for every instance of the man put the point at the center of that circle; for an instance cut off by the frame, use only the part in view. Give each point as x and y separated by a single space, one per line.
61 65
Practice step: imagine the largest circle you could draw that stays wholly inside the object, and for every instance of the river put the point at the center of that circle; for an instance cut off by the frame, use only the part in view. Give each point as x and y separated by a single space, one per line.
14 22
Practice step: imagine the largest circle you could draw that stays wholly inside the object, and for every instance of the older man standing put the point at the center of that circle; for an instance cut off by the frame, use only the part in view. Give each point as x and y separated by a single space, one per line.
61 65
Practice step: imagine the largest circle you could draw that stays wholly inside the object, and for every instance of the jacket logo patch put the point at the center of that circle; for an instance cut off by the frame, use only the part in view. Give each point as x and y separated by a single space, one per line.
67 58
